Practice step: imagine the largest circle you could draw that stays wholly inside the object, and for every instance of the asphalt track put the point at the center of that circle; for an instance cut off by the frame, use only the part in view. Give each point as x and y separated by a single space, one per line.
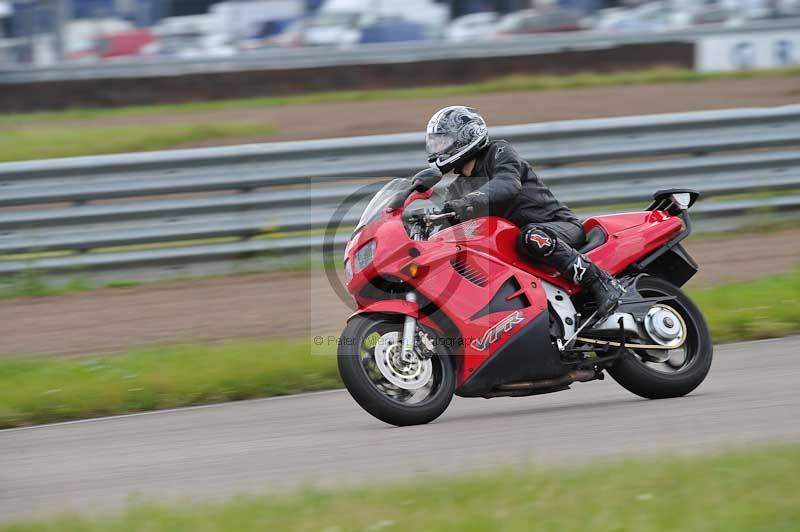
326 440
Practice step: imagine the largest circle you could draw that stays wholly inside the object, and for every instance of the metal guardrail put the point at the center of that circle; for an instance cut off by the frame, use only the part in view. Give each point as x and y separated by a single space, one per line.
283 58
198 210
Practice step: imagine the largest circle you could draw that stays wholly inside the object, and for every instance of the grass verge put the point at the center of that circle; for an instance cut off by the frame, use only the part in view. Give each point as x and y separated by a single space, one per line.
32 283
737 491
766 308
513 83
45 390
21 141
41 135
36 391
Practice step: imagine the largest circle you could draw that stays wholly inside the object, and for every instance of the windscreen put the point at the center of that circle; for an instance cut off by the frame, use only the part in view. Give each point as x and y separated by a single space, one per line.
381 200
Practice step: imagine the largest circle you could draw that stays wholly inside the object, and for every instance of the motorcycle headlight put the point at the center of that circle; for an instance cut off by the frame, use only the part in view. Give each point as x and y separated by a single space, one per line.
365 255
348 271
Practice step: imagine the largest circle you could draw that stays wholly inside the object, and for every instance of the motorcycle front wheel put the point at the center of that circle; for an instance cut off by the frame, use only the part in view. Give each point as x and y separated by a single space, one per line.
398 389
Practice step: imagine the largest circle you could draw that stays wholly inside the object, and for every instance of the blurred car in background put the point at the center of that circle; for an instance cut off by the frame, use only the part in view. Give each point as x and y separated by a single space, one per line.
653 16
345 23
394 29
472 27
533 21
125 43
190 37
334 28
667 16
81 37
291 36
712 14
764 9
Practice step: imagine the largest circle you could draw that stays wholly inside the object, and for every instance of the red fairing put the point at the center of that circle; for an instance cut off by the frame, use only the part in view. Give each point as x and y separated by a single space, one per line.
390 306
631 236
469 270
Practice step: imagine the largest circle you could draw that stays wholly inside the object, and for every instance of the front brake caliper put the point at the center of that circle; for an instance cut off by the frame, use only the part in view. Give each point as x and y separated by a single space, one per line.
425 342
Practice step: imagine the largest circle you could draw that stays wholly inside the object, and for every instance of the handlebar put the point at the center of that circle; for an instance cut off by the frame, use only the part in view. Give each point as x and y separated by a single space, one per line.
439 216
423 223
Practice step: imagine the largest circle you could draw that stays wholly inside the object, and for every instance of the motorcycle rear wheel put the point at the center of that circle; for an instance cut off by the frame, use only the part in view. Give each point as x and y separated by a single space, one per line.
683 371
361 350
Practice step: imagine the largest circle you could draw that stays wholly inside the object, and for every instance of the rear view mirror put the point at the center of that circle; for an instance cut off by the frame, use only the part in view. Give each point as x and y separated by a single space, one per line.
682 200
674 200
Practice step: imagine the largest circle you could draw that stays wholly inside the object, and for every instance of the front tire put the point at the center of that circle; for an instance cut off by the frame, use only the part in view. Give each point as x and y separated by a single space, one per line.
682 372
366 342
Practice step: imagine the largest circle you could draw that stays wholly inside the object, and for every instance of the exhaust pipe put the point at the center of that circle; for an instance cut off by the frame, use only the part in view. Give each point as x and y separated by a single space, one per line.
517 389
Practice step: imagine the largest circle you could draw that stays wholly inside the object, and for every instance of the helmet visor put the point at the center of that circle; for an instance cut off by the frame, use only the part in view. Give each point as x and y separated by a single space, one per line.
438 143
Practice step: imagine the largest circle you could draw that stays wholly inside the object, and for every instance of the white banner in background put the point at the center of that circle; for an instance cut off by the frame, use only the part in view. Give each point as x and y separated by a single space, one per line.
748 50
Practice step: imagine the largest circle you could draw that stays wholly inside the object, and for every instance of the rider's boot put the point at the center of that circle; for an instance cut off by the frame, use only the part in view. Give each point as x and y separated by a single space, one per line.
606 290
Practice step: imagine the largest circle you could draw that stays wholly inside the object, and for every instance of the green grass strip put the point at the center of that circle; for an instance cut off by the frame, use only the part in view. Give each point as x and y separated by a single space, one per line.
537 82
44 390
32 283
737 491
49 141
58 389
752 310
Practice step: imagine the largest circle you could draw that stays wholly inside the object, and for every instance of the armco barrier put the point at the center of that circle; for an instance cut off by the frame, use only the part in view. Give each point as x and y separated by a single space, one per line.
177 211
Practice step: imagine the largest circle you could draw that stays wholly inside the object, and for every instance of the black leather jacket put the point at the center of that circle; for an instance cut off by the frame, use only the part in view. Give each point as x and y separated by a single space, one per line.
504 184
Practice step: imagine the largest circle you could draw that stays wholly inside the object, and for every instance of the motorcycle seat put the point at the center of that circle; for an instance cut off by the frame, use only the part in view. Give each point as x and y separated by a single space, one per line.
595 238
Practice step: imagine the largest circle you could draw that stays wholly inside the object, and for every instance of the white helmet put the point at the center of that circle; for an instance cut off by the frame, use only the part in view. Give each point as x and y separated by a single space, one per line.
455 134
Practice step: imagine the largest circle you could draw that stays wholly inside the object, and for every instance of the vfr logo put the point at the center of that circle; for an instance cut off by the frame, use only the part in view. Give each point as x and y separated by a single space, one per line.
493 333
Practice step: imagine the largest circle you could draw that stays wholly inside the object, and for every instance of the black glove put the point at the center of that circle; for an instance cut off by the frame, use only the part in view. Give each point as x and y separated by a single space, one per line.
470 206
426 179
462 207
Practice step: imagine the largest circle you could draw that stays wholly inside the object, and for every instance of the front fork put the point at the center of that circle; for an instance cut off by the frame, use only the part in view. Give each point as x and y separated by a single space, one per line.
409 331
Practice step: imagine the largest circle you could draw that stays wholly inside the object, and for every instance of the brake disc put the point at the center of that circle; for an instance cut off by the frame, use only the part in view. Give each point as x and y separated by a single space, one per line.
410 372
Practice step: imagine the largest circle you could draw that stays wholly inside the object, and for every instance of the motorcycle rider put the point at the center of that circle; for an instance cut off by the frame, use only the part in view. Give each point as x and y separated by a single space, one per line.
492 179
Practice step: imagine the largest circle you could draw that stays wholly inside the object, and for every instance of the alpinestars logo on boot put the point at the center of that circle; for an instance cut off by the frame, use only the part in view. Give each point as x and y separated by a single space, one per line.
493 333
580 269
541 241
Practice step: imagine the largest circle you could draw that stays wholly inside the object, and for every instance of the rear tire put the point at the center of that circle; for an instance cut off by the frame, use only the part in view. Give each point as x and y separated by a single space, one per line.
636 375
375 394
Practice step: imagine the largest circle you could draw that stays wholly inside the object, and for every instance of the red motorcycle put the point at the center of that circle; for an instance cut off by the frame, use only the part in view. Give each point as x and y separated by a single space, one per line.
453 309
